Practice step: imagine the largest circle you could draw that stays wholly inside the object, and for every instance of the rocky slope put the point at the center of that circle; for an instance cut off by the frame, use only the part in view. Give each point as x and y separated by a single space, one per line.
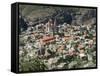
33 15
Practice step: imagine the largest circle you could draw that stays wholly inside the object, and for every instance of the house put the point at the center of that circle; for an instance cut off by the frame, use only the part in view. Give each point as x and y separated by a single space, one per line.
47 39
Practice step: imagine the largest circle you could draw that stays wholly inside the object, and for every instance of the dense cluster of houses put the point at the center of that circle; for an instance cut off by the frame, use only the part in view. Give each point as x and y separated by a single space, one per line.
52 41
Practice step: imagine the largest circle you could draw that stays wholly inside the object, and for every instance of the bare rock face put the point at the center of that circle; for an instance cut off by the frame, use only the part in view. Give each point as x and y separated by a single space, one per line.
67 15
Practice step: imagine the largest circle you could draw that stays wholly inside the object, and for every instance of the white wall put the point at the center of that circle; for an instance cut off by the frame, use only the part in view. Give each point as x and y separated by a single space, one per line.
5 21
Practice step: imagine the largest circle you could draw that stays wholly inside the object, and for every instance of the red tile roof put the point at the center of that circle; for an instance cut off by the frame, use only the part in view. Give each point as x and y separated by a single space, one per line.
47 39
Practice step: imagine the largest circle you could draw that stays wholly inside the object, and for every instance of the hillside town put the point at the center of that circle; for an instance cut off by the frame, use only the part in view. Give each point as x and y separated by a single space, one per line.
52 46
